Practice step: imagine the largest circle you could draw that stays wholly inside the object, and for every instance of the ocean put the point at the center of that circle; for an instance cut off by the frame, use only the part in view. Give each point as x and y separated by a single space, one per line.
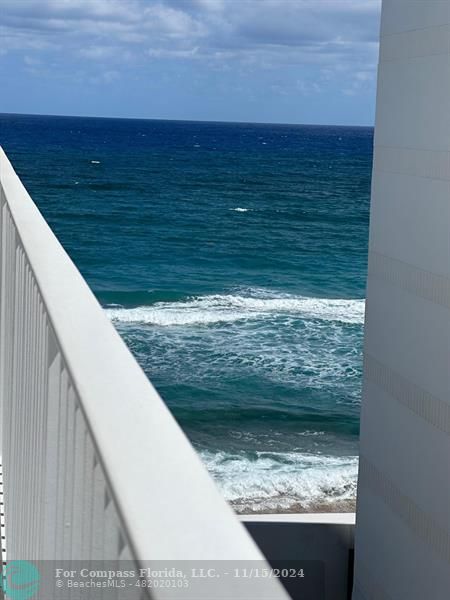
231 258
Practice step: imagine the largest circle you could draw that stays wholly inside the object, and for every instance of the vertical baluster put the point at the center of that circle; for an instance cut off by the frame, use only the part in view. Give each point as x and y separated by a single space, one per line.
23 440
88 494
52 451
78 490
42 427
69 475
98 520
98 508
28 420
32 414
78 494
110 542
39 429
62 449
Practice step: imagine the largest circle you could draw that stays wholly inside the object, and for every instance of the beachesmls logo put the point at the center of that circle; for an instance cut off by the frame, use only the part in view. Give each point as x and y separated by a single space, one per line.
21 580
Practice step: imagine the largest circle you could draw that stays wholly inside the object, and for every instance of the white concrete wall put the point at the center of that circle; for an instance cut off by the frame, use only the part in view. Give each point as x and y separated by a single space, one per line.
403 512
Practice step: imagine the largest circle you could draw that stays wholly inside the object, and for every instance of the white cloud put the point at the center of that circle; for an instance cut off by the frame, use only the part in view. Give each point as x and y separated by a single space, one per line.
333 34
240 24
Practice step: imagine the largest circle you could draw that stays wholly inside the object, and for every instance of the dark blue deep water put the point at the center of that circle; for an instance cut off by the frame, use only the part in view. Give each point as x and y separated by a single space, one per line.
232 259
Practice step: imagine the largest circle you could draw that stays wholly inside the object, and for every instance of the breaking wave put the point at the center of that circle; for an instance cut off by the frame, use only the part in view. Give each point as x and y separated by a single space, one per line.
274 481
219 308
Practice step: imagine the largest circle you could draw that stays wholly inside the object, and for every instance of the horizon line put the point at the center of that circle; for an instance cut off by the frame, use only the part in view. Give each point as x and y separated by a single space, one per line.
186 120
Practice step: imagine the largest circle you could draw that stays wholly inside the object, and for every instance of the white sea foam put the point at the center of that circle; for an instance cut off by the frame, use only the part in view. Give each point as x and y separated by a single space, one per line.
229 308
239 209
281 481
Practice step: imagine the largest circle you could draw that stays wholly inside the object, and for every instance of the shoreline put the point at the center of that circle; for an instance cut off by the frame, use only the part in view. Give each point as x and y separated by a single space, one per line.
342 506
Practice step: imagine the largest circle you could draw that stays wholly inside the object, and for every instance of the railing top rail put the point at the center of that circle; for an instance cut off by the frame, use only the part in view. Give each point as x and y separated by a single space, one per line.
168 505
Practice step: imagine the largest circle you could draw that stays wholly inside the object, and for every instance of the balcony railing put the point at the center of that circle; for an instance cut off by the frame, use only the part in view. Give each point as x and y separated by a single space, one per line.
95 466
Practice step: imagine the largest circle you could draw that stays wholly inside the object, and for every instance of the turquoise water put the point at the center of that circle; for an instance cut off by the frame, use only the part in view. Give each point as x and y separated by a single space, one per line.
232 259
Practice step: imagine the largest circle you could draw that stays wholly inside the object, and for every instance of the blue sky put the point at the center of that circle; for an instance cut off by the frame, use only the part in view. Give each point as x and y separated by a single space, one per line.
289 61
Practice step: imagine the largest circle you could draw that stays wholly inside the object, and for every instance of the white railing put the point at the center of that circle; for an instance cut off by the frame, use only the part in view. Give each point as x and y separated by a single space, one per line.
95 466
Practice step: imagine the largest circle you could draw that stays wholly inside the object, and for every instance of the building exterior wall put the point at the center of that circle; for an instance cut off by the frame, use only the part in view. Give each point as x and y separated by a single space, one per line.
321 543
403 513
